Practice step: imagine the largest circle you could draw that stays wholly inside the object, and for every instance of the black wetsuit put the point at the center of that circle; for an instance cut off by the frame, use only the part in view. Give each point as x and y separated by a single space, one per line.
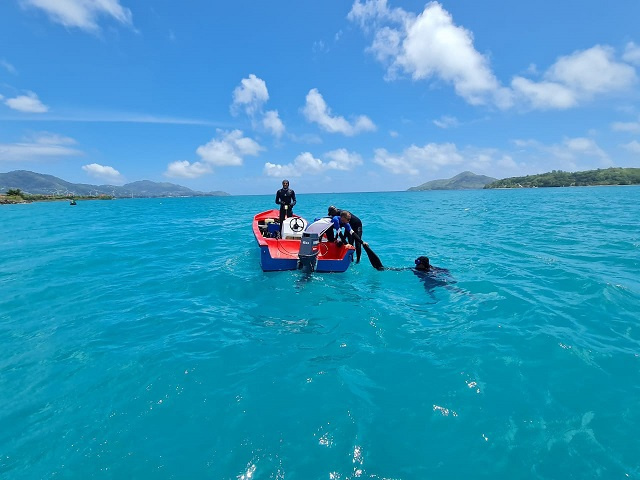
356 226
285 196
434 277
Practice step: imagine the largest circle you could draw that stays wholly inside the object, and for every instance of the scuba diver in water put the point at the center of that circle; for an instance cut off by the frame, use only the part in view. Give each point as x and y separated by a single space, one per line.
430 275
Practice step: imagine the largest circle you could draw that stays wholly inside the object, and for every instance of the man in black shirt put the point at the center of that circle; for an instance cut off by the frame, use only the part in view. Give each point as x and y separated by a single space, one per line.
286 198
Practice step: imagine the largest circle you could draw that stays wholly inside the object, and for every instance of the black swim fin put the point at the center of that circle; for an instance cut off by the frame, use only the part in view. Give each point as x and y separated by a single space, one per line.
373 258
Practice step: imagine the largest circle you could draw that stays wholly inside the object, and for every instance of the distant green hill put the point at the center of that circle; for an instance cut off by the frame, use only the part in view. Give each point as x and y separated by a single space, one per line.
558 178
462 181
39 183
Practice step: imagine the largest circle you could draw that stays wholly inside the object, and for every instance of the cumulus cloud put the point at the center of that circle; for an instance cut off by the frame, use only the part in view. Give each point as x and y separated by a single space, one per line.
227 149
431 47
29 103
307 164
631 127
249 97
342 159
82 14
577 78
317 111
414 160
103 173
632 53
633 146
570 154
544 95
185 169
39 146
272 123
428 46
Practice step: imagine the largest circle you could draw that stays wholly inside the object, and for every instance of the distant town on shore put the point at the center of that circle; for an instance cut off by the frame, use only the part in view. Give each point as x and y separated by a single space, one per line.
23 186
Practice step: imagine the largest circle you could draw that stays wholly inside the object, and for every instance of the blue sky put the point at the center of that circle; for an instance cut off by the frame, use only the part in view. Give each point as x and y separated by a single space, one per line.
333 95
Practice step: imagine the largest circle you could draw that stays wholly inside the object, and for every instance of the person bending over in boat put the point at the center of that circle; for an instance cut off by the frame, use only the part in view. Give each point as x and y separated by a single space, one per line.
338 223
356 227
286 198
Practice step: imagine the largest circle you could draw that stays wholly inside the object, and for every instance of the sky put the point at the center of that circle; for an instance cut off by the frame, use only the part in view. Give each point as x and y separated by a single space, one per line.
336 96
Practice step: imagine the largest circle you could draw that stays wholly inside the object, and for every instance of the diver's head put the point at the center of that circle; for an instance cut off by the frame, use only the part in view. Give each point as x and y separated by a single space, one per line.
422 263
285 183
333 211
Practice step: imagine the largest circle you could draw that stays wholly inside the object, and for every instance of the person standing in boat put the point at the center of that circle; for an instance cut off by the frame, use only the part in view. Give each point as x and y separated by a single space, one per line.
356 227
286 198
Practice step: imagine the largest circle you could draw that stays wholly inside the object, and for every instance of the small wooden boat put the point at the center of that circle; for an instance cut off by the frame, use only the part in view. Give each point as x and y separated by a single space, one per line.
298 245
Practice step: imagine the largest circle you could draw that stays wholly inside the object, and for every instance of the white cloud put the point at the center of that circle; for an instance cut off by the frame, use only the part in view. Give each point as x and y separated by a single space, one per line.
8 67
250 95
317 111
577 78
544 95
570 154
103 172
48 138
184 169
507 162
446 122
342 159
274 170
82 14
414 160
273 124
585 146
592 71
429 46
41 145
228 149
631 127
632 53
29 103
307 164
633 146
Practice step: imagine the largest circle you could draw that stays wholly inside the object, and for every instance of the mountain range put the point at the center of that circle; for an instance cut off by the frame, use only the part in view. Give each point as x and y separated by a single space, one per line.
39 183
462 181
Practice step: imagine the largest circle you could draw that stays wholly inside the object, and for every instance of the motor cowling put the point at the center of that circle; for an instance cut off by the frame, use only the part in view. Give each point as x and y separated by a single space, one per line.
308 253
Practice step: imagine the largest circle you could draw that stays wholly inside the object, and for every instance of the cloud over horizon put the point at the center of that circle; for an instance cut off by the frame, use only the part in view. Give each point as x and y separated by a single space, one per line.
39 146
227 149
306 163
104 173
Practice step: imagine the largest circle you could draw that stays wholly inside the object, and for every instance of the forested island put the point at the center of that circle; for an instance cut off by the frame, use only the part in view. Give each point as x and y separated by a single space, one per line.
558 178
15 195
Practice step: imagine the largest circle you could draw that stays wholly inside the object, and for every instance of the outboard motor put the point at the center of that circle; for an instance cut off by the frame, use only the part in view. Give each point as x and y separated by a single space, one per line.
308 253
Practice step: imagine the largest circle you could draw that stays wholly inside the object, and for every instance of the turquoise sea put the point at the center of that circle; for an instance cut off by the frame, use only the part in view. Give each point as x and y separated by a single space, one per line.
139 339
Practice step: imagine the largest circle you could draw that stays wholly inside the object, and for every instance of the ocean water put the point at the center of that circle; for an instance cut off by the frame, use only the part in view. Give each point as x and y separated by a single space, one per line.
139 339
